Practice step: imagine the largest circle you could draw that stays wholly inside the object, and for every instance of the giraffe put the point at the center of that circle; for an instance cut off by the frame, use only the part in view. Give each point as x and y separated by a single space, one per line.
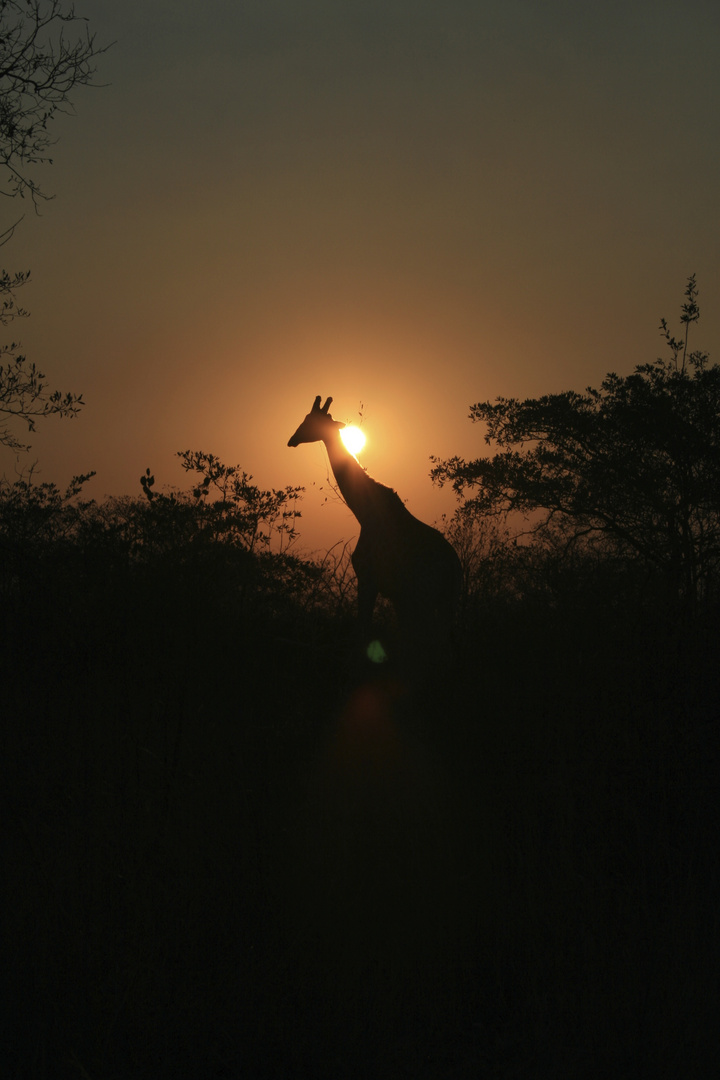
397 555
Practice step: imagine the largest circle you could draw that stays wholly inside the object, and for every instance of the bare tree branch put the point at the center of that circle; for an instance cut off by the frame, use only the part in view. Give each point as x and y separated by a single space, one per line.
46 52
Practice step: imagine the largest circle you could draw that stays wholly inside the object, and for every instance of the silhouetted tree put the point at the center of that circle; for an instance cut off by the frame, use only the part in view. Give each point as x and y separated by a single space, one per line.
233 509
629 471
39 528
46 52
25 396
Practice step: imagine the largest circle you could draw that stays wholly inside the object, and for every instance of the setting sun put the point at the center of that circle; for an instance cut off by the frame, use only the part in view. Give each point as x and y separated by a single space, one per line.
353 438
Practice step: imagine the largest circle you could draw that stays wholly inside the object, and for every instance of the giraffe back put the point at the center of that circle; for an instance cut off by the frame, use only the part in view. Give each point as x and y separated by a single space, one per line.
410 563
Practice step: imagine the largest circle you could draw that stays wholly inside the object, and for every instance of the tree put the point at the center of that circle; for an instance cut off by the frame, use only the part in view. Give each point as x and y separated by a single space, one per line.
228 508
25 396
46 52
630 470
41 64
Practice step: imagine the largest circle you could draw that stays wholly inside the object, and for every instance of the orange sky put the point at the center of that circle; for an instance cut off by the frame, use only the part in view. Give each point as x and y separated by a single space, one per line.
405 205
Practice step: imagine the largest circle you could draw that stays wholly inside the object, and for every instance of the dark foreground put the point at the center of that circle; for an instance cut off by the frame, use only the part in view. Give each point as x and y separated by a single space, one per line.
234 848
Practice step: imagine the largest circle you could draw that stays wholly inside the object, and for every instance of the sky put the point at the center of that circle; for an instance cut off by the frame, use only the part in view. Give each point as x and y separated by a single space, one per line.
409 207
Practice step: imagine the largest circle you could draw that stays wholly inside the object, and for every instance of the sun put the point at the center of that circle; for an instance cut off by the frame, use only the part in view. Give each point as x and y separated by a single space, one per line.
353 438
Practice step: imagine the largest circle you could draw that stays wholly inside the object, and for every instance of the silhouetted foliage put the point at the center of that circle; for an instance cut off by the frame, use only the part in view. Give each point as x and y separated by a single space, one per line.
46 52
625 475
238 511
226 540
36 521
25 396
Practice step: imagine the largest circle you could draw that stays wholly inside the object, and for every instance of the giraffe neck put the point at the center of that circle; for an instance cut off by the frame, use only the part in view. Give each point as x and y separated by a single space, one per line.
354 483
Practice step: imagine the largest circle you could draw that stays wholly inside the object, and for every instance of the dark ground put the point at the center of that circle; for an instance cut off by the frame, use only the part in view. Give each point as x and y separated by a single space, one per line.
234 848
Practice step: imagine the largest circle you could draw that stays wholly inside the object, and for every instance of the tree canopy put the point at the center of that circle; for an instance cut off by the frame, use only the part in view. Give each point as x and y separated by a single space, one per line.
631 469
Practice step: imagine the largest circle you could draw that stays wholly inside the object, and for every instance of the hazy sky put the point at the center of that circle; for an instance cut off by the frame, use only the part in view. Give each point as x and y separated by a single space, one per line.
413 206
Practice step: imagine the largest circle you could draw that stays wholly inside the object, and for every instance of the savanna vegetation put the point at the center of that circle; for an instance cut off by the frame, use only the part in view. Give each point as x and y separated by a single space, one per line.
47 53
237 847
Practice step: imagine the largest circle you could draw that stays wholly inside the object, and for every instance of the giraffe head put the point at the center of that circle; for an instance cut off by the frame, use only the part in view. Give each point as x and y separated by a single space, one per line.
317 425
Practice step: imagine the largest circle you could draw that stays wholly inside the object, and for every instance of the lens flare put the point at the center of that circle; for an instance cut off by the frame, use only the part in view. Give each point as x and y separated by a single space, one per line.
353 438
376 653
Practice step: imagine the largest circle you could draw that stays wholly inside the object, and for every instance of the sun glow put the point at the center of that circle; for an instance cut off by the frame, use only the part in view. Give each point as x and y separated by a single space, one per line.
353 438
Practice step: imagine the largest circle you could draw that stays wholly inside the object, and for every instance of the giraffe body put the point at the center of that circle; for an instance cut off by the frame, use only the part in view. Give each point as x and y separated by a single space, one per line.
397 555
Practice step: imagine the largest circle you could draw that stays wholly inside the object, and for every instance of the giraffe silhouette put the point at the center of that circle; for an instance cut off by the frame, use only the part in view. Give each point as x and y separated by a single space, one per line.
396 556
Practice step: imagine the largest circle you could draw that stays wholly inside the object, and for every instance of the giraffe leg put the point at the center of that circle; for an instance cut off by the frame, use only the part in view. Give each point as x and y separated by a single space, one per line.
367 595
367 585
